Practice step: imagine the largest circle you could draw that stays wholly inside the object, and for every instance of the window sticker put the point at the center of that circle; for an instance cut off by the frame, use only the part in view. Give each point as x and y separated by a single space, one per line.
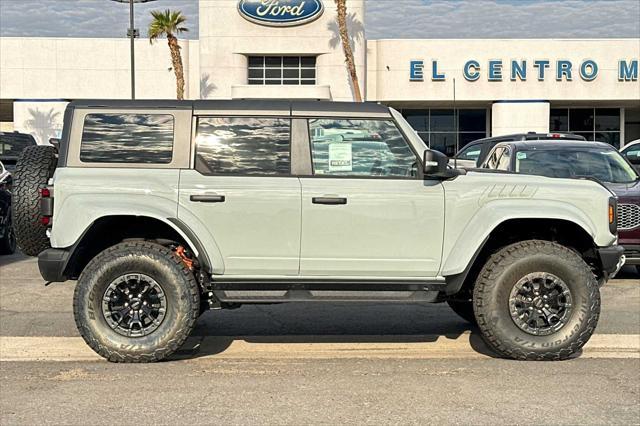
340 157
521 155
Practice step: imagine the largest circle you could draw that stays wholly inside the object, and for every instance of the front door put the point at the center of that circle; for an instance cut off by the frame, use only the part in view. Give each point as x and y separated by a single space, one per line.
241 196
365 212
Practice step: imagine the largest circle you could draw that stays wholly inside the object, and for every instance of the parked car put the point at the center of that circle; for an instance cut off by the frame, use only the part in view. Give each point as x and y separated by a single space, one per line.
11 145
474 153
7 237
594 160
632 152
163 209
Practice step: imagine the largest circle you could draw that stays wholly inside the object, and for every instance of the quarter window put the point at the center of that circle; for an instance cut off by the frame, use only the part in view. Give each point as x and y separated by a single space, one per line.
127 138
243 146
360 148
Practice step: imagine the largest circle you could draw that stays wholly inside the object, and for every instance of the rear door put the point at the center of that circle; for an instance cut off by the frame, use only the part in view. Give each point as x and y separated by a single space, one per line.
241 194
365 210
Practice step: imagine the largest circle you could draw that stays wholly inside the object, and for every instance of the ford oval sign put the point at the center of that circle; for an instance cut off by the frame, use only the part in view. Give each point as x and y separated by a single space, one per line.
280 13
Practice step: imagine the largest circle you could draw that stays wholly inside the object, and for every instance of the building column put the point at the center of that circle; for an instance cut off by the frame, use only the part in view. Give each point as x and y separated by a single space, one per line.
523 116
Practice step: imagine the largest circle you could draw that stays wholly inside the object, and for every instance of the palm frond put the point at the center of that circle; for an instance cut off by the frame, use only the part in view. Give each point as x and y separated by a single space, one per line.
166 23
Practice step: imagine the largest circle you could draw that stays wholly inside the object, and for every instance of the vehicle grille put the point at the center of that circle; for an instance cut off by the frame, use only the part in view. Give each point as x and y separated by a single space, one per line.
628 216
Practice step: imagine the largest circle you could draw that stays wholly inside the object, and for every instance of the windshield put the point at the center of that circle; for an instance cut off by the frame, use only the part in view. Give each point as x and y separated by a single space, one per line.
606 165
470 153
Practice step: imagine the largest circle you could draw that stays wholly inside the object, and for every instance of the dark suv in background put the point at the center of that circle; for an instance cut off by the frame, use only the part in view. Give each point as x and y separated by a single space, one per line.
474 153
575 159
11 145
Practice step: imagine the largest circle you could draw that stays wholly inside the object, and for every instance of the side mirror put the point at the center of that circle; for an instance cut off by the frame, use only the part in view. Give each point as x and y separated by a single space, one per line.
435 164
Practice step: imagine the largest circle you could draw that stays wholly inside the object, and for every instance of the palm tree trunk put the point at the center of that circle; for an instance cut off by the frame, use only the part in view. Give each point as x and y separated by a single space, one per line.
176 58
346 47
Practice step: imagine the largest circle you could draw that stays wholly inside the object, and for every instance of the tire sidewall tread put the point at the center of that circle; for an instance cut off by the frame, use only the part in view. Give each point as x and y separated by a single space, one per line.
496 280
182 293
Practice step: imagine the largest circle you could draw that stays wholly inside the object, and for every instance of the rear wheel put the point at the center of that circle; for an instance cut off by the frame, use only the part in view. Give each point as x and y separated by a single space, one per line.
136 302
35 166
536 300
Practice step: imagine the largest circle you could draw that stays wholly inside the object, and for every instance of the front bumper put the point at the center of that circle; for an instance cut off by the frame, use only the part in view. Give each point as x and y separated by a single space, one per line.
632 254
52 264
612 259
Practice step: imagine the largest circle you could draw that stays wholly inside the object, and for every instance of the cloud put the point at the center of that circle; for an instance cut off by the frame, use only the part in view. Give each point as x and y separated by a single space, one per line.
502 18
85 18
384 18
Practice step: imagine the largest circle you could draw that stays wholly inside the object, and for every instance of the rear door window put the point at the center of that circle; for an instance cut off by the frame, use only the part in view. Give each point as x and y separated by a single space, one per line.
127 138
243 146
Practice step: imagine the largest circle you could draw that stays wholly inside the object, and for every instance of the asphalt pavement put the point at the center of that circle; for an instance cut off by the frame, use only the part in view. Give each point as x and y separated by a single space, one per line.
308 363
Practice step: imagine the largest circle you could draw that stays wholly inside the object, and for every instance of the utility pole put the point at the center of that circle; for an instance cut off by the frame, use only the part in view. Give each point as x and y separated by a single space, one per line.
132 32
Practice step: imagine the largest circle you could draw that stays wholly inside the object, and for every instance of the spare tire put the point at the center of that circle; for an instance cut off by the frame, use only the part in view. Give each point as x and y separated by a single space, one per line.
35 166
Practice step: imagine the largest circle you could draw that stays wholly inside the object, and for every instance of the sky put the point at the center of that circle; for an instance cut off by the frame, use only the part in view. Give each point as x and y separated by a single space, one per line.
384 18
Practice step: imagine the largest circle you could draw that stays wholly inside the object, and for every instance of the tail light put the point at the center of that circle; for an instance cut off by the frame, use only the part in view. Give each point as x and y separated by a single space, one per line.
46 205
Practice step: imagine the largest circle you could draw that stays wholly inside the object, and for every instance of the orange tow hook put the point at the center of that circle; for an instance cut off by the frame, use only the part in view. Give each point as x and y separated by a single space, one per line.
180 251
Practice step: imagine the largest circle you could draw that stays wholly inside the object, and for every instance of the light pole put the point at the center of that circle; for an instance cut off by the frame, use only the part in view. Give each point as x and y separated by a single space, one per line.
132 33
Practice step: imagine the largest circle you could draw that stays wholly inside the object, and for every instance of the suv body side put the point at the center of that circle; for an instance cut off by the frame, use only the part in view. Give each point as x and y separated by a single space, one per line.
273 227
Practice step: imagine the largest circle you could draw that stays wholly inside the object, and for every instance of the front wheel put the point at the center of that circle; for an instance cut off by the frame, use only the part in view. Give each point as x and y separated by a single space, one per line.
536 300
136 302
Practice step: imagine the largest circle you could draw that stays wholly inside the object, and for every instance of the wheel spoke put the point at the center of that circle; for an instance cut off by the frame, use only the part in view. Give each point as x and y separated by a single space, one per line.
129 301
540 303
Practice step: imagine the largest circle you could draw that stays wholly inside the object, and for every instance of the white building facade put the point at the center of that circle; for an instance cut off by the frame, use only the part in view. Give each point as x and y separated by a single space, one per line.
452 91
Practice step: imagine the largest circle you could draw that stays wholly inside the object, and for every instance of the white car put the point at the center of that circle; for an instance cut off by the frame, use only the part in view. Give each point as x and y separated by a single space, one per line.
632 153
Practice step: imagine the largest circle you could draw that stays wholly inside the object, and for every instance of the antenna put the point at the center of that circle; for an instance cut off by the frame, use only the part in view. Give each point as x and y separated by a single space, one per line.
455 117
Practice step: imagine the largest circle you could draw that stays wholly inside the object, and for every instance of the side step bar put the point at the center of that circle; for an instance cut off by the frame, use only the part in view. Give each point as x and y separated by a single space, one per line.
252 291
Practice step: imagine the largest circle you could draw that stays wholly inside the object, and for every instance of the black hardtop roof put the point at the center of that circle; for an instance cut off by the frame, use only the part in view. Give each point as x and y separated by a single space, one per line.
553 144
294 106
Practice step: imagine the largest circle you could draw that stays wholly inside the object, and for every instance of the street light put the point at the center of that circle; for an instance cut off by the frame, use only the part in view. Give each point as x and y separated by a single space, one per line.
132 33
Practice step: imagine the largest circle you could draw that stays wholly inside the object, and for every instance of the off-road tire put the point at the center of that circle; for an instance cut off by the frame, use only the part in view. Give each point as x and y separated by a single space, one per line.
464 310
180 289
35 166
498 277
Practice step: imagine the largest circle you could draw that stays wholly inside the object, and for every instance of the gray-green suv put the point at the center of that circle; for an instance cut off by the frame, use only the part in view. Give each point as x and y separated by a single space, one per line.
163 209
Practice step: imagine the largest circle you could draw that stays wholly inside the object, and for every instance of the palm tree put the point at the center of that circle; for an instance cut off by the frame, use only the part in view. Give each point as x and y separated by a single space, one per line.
168 23
346 47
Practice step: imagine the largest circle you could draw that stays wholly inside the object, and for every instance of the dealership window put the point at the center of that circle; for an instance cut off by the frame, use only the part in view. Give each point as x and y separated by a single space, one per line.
243 146
279 70
127 138
446 131
595 124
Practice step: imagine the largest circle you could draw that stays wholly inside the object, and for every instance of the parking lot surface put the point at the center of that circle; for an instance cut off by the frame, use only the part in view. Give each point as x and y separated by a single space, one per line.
304 363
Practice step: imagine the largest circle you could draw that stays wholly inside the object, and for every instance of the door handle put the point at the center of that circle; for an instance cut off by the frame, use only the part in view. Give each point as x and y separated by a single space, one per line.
203 198
334 201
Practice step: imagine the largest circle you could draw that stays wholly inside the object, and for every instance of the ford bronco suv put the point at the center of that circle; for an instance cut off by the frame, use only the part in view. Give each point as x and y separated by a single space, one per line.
164 209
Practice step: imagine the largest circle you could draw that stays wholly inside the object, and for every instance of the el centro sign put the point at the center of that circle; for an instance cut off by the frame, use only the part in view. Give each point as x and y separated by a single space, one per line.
514 70
280 13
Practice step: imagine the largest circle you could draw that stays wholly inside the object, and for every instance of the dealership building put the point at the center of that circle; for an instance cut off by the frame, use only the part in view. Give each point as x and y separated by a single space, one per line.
451 90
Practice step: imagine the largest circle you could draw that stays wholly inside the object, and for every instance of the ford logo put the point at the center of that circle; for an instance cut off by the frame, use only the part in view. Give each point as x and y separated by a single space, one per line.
280 13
